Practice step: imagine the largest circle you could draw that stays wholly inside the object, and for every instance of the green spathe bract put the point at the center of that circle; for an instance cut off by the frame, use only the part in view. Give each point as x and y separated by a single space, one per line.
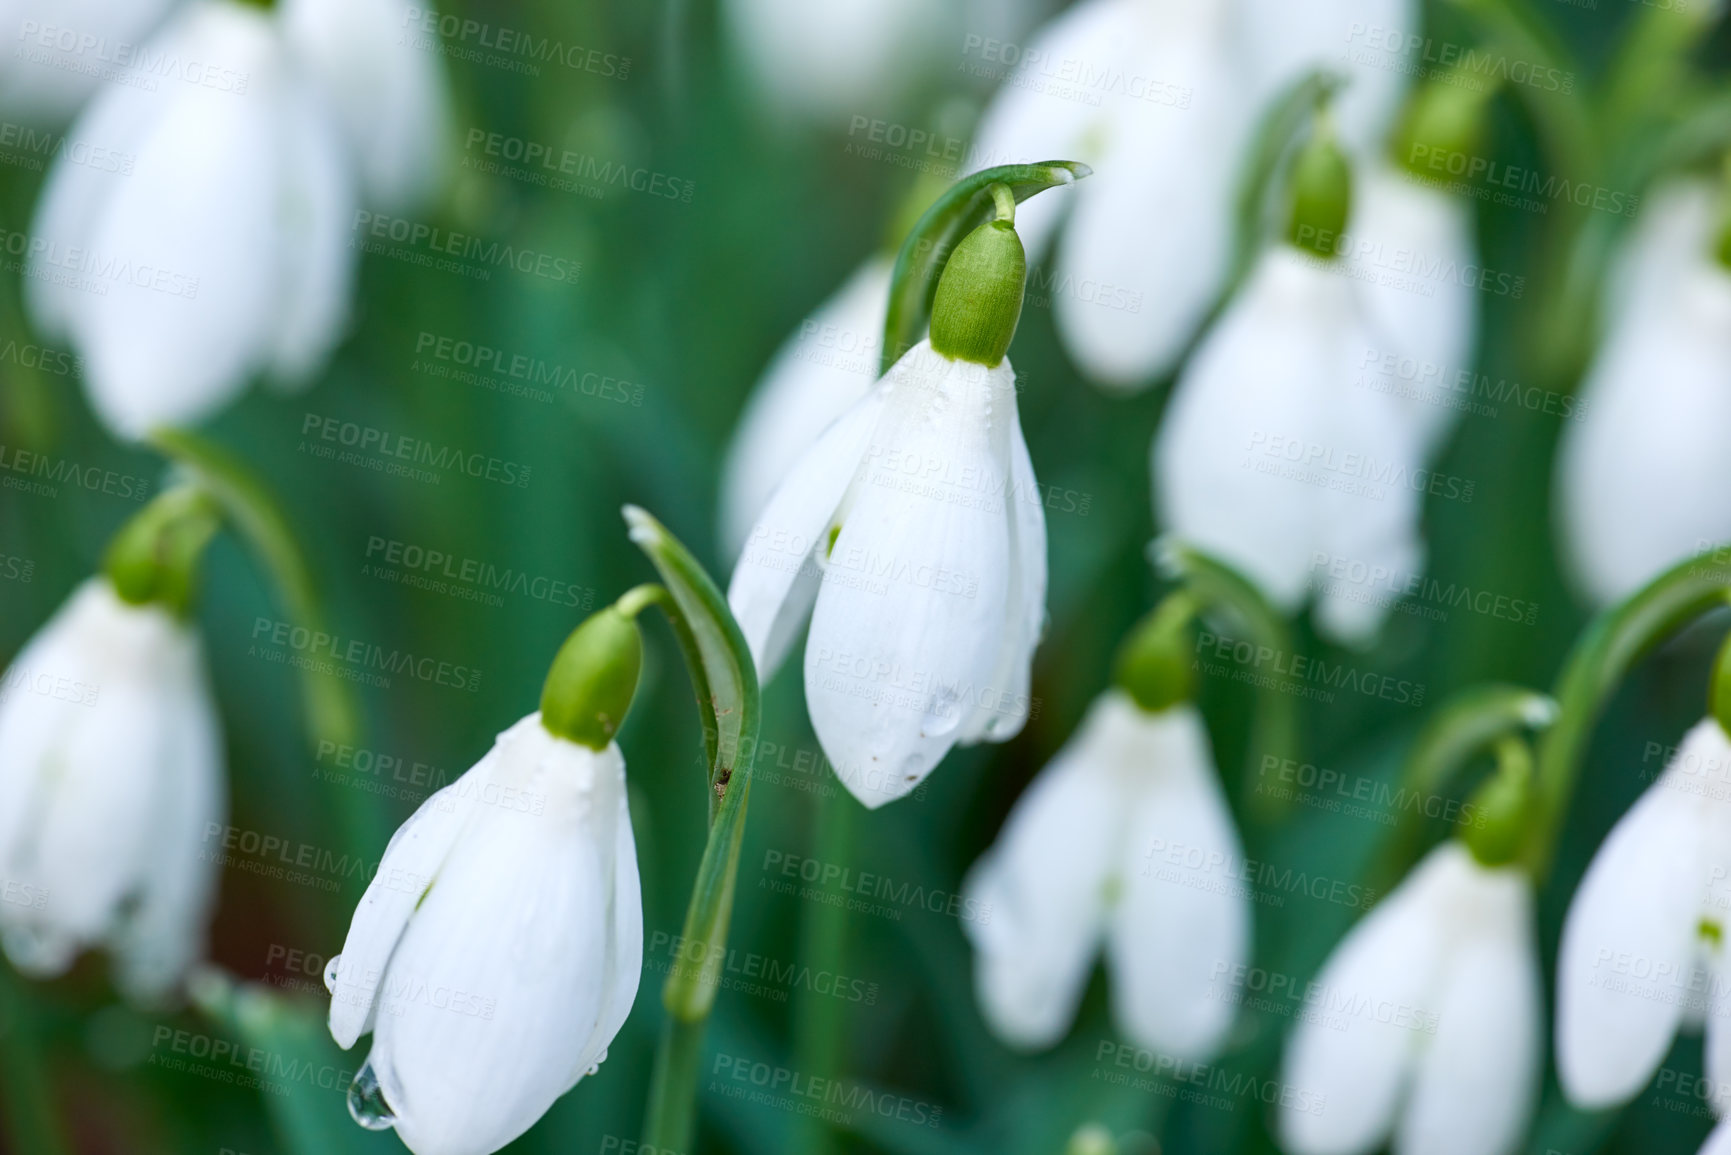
979 299
1321 189
593 679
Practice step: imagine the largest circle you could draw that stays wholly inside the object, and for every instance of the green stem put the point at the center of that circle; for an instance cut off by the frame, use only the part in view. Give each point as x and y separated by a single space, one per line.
28 1122
1603 655
673 1087
818 1022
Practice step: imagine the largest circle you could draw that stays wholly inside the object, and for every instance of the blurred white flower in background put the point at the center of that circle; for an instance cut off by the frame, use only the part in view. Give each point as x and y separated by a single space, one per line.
221 252
819 372
1642 479
388 93
1440 1043
913 533
1643 949
516 889
1269 456
59 51
111 772
1080 862
830 62
1161 98
1719 1142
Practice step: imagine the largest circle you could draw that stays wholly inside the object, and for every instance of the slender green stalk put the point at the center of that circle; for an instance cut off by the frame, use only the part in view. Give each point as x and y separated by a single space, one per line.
1603 655
673 1087
818 1022
28 1120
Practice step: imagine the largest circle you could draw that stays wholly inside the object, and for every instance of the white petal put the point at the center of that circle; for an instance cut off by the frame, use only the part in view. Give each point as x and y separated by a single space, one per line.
1041 889
1628 942
316 208
894 667
775 580
1148 247
1351 1054
1284 41
819 373
1183 919
1719 1142
1000 717
1477 1083
1655 399
411 862
1426 320
519 930
1031 119
367 60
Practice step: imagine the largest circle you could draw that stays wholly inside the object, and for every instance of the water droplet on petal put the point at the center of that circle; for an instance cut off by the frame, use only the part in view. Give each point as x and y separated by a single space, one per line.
942 715
596 1065
331 973
367 1103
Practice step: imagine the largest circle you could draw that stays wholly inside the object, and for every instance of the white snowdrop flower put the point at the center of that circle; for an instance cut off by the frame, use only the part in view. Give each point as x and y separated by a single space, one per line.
222 253
61 50
1362 41
817 375
386 88
1421 307
1083 861
1440 1043
1643 480
832 62
1270 457
1643 946
1149 243
111 774
1719 1142
497 952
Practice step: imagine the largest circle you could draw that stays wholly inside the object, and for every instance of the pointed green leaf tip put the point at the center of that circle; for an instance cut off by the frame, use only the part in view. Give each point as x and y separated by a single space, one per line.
593 679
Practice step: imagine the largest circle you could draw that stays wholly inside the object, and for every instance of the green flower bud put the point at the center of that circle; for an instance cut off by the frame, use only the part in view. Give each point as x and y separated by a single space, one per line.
1154 663
1445 118
1719 687
1091 1139
979 295
1503 806
593 679
1320 184
154 557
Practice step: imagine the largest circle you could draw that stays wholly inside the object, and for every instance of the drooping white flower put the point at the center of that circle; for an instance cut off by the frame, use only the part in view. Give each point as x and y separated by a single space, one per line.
1642 479
222 253
1108 845
913 532
1415 245
817 375
387 91
1719 1142
1270 456
59 51
1643 948
831 62
1439 1038
1149 244
497 952
111 774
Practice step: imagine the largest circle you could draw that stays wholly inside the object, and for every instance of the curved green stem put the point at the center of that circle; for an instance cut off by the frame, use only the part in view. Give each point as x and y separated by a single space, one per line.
1222 589
964 207
726 682
1612 643
331 712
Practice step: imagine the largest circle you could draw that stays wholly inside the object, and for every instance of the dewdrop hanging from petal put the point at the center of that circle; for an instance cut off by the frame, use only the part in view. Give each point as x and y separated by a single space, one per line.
110 783
1076 868
898 671
1433 1038
534 912
1269 456
233 219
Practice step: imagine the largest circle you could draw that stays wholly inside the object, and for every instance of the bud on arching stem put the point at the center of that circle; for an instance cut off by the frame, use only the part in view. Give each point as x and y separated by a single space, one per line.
1153 664
1320 186
154 556
1503 806
593 677
979 296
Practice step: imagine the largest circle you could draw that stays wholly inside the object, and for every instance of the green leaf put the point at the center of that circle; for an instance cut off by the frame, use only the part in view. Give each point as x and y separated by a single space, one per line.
964 207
